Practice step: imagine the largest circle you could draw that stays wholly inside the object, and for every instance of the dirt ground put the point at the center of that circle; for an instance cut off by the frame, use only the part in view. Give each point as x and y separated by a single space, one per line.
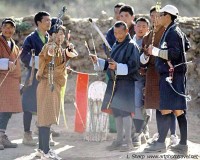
71 146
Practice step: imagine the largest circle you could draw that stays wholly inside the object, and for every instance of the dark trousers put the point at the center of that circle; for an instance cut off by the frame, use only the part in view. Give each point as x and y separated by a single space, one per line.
27 118
44 136
4 118
159 122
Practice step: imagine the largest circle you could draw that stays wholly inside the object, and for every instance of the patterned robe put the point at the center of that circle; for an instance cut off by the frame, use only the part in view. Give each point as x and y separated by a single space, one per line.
10 100
152 93
49 102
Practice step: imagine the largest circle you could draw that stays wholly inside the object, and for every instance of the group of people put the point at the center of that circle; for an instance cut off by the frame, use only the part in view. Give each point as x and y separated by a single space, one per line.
41 49
146 70
143 62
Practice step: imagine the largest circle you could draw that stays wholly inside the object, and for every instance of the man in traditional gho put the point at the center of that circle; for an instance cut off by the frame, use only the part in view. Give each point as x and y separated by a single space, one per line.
10 78
119 95
36 41
49 99
171 52
151 101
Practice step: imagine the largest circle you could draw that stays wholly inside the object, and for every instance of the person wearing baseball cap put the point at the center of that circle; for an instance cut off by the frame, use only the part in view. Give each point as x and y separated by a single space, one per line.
9 20
170 9
171 66
10 76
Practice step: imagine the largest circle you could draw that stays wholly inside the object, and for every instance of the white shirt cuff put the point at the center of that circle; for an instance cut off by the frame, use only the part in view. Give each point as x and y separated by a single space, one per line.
144 59
122 69
36 62
100 65
71 54
155 51
4 64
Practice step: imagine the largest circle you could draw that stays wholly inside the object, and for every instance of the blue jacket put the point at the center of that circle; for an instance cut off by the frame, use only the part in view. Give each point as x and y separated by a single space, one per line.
127 53
32 41
173 40
176 43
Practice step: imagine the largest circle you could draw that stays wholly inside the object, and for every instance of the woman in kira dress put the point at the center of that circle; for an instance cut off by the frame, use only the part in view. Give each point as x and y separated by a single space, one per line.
48 99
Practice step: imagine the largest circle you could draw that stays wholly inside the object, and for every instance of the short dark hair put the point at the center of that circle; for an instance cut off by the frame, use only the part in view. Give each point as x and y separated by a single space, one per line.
152 9
127 8
173 17
121 23
143 19
119 5
39 16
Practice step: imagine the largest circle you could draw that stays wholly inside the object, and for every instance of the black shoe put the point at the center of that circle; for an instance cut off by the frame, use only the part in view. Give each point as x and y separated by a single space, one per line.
156 147
182 149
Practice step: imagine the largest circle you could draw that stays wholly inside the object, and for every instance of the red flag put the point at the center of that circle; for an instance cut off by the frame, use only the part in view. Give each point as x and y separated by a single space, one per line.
81 102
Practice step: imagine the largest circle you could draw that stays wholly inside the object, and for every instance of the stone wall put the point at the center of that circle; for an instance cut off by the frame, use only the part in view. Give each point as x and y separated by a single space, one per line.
81 31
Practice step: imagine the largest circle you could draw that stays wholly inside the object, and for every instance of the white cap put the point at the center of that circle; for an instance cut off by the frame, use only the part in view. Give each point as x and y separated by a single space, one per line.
170 9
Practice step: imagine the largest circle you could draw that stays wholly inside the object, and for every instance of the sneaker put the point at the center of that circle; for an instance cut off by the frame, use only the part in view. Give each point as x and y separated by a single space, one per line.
28 139
6 142
156 147
154 139
39 153
151 142
51 155
114 146
182 149
174 139
126 147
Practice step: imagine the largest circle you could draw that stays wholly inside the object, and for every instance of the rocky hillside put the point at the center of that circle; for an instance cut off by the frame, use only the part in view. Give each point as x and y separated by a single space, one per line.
81 31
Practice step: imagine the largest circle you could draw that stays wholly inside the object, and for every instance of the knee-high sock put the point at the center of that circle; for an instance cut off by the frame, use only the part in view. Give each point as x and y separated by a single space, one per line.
164 128
173 125
45 135
158 119
40 139
127 123
119 128
139 124
182 122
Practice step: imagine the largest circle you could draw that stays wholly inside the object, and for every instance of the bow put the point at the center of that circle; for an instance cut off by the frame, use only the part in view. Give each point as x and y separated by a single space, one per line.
113 75
101 35
30 80
52 63
74 71
33 67
9 70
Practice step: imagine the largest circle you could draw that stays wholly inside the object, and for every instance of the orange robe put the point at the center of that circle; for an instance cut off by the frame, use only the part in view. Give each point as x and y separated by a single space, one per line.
10 100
